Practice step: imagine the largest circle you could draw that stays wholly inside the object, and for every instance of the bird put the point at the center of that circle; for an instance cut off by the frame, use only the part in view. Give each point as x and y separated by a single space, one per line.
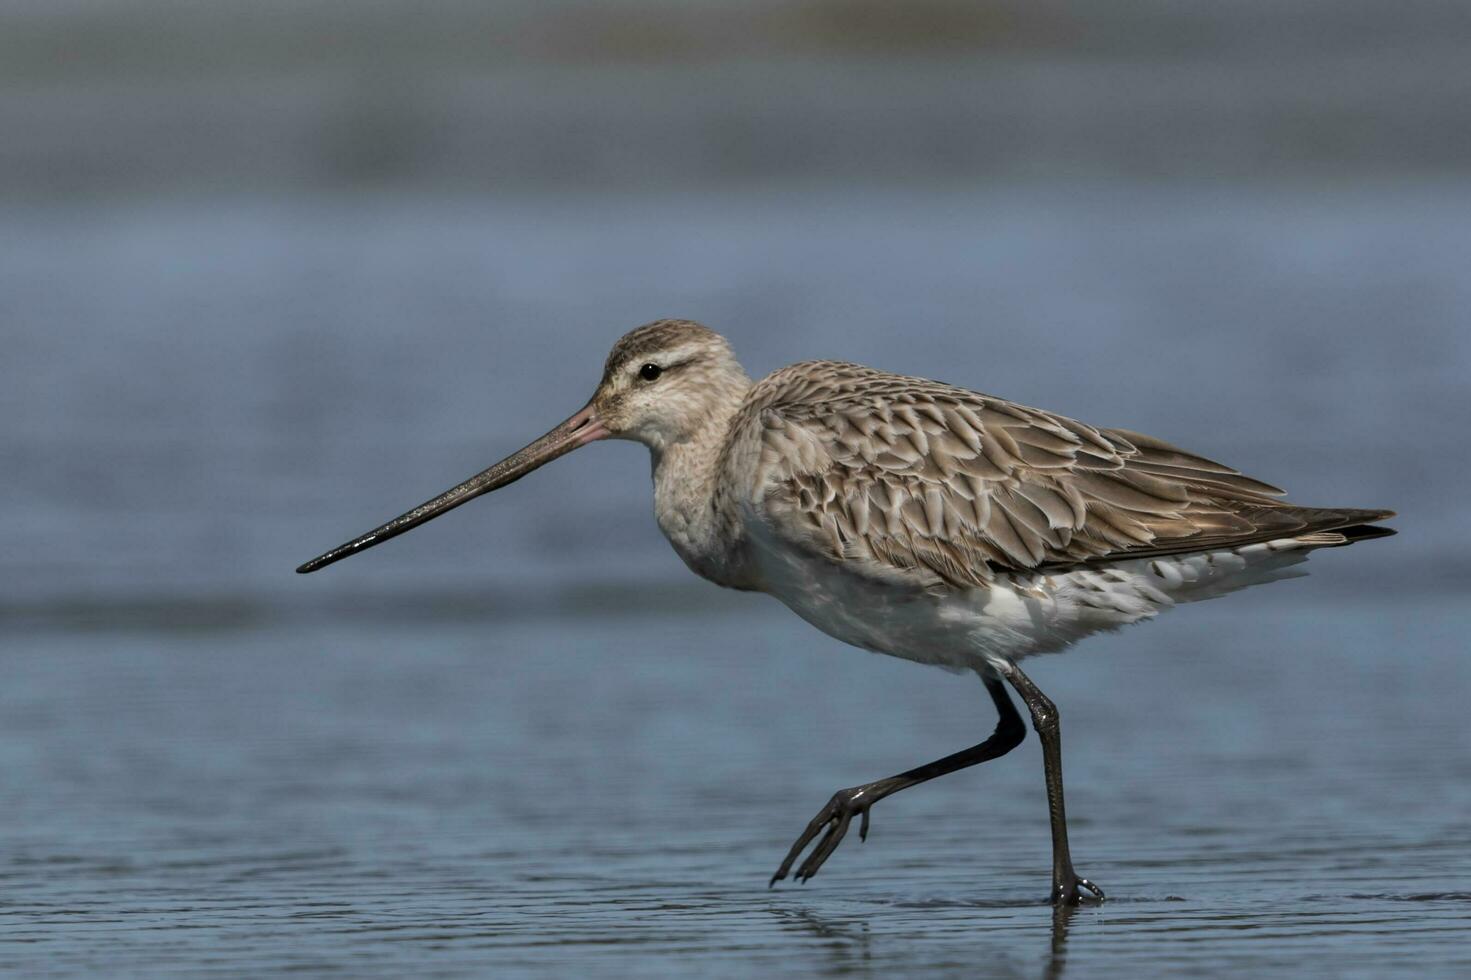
921 520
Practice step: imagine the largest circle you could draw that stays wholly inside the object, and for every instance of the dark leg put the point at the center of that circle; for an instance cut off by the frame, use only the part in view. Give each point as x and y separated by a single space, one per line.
1065 881
846 802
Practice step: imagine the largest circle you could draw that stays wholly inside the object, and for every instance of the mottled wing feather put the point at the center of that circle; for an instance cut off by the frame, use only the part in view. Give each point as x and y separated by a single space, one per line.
915 478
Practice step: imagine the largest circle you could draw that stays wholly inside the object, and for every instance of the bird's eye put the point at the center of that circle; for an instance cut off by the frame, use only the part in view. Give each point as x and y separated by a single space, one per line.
650 372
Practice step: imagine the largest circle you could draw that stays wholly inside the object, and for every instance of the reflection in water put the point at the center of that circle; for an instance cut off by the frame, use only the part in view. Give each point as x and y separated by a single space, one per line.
1057 959
848 943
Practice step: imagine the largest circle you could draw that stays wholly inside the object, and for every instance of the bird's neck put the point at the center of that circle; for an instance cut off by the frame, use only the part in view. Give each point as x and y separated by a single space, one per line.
686 475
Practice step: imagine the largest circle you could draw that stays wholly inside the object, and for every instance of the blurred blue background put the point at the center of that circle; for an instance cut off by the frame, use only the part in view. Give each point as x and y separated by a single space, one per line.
272 272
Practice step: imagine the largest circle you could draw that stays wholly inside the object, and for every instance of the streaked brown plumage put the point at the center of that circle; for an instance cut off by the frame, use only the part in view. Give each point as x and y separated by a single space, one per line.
950 486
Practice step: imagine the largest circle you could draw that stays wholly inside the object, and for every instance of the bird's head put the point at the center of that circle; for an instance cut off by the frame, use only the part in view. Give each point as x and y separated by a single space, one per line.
666 381
663 383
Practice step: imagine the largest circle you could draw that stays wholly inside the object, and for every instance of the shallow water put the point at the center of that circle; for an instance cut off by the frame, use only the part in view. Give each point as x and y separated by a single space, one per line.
524 741
1278 790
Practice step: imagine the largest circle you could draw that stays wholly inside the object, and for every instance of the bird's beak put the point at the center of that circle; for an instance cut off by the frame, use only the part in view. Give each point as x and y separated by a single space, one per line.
579 430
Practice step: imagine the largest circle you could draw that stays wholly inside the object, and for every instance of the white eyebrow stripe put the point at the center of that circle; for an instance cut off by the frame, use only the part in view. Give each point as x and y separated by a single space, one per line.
667 359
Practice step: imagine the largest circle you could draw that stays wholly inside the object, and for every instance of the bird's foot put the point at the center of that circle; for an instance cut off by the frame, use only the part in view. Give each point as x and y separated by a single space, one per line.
834 818
1068 890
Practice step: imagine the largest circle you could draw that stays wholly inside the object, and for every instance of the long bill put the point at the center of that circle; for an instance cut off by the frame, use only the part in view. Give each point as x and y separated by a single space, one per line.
579 430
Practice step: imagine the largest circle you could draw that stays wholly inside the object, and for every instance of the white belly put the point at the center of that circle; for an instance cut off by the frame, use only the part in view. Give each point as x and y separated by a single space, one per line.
1018 615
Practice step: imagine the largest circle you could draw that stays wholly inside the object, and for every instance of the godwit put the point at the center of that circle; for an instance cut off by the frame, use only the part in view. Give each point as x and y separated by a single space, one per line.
921 520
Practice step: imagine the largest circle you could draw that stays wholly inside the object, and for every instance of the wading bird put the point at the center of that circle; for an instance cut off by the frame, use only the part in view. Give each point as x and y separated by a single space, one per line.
921 520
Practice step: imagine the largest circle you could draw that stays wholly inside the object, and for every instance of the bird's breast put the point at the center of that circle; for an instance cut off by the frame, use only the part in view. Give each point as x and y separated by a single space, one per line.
698 540
690 513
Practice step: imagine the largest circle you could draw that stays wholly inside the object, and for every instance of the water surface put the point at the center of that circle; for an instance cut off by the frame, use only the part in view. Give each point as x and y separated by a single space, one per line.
611 792
523 741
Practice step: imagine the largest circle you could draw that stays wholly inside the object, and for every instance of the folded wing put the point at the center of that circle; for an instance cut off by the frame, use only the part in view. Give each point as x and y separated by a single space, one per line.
917 478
